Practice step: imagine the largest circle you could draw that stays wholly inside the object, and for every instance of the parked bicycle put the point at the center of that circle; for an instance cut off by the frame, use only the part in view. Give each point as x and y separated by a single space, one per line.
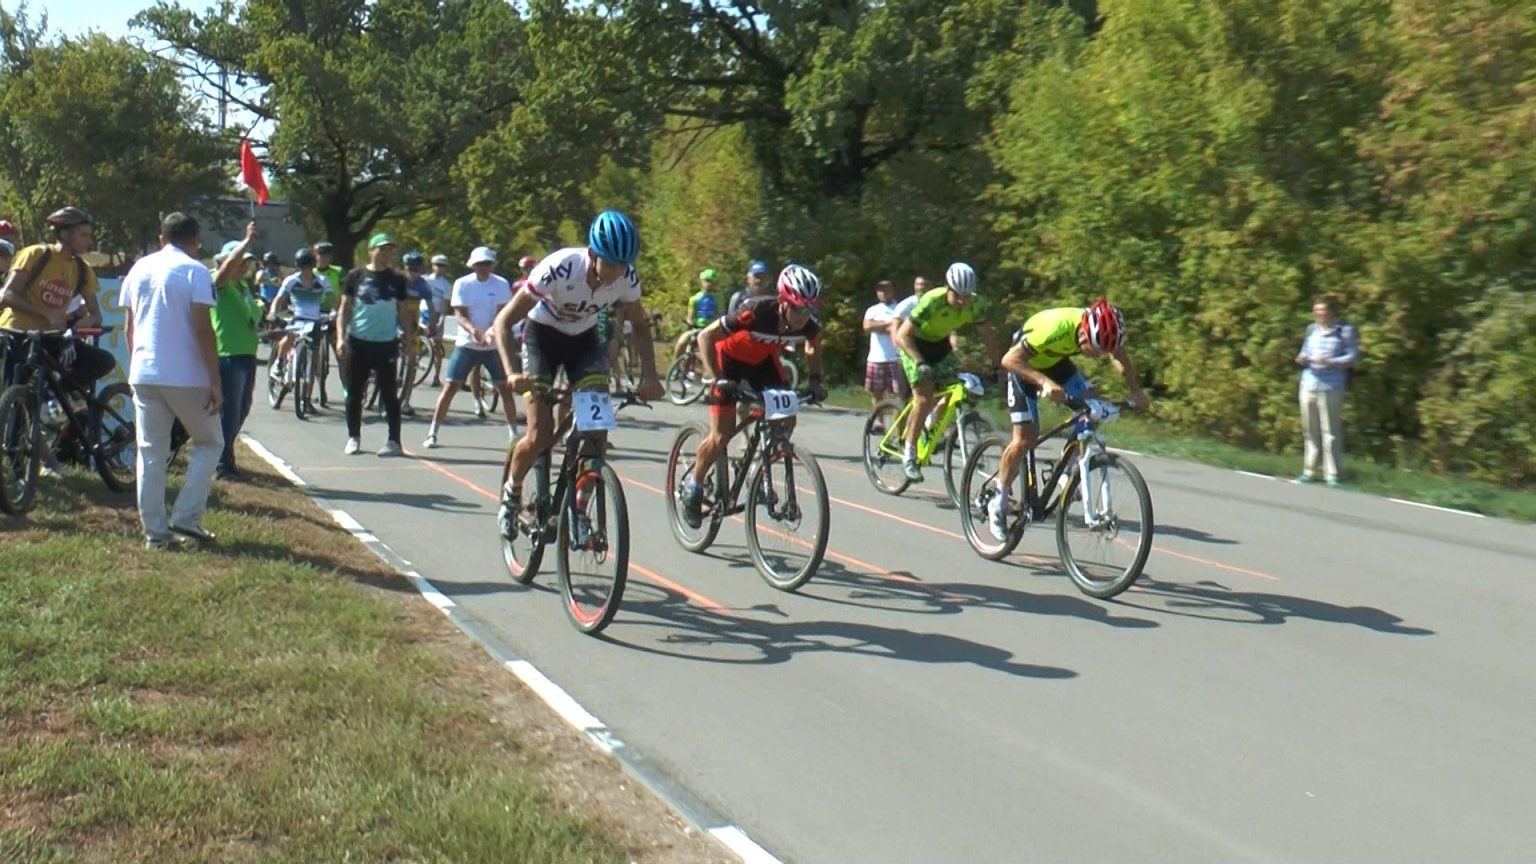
42 408
1099 499
956 430
785 490
580 509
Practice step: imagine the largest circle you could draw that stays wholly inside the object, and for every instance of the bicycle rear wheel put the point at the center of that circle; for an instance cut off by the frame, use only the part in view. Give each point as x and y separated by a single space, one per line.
680 462
424 360
788 517
978 488
1105 551
524 552
114 438
20 456
883 449
970 428
593 556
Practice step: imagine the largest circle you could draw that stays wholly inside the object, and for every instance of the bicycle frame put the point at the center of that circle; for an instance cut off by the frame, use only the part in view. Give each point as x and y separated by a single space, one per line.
47 378
893 444
1076 460
764 437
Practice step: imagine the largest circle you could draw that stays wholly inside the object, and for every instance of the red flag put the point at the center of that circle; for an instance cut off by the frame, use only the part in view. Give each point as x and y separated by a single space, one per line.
250 171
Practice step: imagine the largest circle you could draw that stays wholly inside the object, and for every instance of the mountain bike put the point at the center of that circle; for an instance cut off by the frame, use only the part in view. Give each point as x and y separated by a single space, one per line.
580 509
42 409
685 377
308 363
1100 501
782 483
956 430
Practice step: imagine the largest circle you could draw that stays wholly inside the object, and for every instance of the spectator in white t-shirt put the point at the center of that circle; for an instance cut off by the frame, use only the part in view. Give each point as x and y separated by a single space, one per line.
475 300
882 369
173 368
434 312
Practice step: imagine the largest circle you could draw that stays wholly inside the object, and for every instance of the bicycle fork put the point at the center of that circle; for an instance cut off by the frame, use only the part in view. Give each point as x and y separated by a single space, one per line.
1093 487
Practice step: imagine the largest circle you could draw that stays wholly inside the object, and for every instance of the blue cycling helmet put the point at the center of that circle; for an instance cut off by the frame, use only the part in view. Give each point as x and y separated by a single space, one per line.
757 268
613 237
6 248
414 259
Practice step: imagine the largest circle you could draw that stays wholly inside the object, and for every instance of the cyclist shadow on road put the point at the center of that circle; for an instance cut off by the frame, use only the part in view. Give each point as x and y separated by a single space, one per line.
695 633
412 500
1216 602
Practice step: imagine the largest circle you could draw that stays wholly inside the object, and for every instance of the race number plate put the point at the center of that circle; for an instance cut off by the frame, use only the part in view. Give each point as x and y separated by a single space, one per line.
779 404
594 411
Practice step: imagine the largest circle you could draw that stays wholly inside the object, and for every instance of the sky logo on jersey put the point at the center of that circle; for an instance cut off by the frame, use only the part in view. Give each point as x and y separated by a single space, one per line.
559 271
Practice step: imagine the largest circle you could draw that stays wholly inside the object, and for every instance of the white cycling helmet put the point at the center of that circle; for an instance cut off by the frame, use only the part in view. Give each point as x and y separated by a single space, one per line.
961 278
799 287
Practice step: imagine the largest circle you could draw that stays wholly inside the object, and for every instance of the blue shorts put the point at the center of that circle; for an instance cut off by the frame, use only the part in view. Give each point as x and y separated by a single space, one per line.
1022 395
464 359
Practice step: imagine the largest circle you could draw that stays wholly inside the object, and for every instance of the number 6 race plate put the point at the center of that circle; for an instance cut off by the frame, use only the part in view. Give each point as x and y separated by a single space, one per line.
594 411
780 403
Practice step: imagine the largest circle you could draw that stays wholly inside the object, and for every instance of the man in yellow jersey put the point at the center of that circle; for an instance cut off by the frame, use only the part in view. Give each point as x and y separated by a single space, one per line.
331 272
44 279
1040 361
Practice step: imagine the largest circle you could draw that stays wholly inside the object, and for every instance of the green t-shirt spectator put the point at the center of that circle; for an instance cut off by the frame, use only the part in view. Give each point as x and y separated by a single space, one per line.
333 276
236 315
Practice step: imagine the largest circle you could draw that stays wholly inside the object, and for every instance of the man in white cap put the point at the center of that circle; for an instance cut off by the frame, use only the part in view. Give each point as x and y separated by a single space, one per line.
475 300
433 313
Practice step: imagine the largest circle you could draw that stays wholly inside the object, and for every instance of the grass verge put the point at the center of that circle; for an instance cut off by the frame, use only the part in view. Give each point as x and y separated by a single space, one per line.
281 697
1145 435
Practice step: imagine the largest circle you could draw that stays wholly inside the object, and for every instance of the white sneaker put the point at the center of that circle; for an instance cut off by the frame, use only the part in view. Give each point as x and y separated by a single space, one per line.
479 409
353 447
390 448
431 442
997 521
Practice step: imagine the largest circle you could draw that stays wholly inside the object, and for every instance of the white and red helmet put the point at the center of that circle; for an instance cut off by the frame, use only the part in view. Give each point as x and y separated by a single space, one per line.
1106 326
799 287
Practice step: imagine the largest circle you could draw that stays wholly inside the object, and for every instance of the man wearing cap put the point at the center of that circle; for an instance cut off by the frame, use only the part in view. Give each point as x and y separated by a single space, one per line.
442 288
757 286
236 314
173 369
476 299
703 309
367 339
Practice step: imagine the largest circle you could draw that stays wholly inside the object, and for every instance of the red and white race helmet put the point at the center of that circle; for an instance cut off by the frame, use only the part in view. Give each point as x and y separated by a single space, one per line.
799 287
1106 326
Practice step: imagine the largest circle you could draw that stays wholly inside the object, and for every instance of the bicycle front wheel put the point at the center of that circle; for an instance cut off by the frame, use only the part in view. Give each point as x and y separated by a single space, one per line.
978 489
20 454
277 385
303 382
114 438
970 428
884 441
1104 545
593 558
788 517
683 385
424 361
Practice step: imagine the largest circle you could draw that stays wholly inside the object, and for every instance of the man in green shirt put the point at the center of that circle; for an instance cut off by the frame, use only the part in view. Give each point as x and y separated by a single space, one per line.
703 309
236 315
325 254
927 343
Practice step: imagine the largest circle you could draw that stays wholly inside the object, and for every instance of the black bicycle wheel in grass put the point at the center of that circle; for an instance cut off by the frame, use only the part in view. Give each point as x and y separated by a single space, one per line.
20 453
592 560
788 517
1104 545
113 437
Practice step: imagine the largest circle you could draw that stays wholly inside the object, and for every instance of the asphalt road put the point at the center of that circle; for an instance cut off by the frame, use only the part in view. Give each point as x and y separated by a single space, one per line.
1303 674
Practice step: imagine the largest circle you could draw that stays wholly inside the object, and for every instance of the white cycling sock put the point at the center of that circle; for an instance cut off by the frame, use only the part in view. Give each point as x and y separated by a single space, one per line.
911 452
691 483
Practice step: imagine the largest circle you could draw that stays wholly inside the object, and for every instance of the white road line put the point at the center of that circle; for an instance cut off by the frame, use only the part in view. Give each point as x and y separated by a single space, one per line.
276 461
1441 509
429 591
554 696
1251 474
737 841
1127 452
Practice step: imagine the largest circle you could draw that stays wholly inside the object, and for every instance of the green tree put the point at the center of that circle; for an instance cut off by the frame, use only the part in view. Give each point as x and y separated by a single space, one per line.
373 102
99 123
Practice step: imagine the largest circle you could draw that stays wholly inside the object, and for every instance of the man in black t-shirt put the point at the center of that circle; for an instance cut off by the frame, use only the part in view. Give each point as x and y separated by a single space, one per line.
367 339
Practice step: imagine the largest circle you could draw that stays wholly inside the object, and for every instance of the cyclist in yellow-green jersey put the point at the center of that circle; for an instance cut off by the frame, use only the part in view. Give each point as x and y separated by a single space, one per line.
926 340
325 254
1040 361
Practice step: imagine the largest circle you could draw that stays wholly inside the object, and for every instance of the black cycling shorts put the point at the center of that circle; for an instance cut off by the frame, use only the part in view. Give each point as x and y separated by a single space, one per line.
546 351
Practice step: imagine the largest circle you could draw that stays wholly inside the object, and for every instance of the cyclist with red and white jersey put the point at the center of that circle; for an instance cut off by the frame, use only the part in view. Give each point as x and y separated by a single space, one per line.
560 300
743 348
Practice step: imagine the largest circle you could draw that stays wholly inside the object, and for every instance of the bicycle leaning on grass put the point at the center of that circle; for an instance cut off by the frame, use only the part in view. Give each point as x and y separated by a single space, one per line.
580 509
1100 501
957 426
